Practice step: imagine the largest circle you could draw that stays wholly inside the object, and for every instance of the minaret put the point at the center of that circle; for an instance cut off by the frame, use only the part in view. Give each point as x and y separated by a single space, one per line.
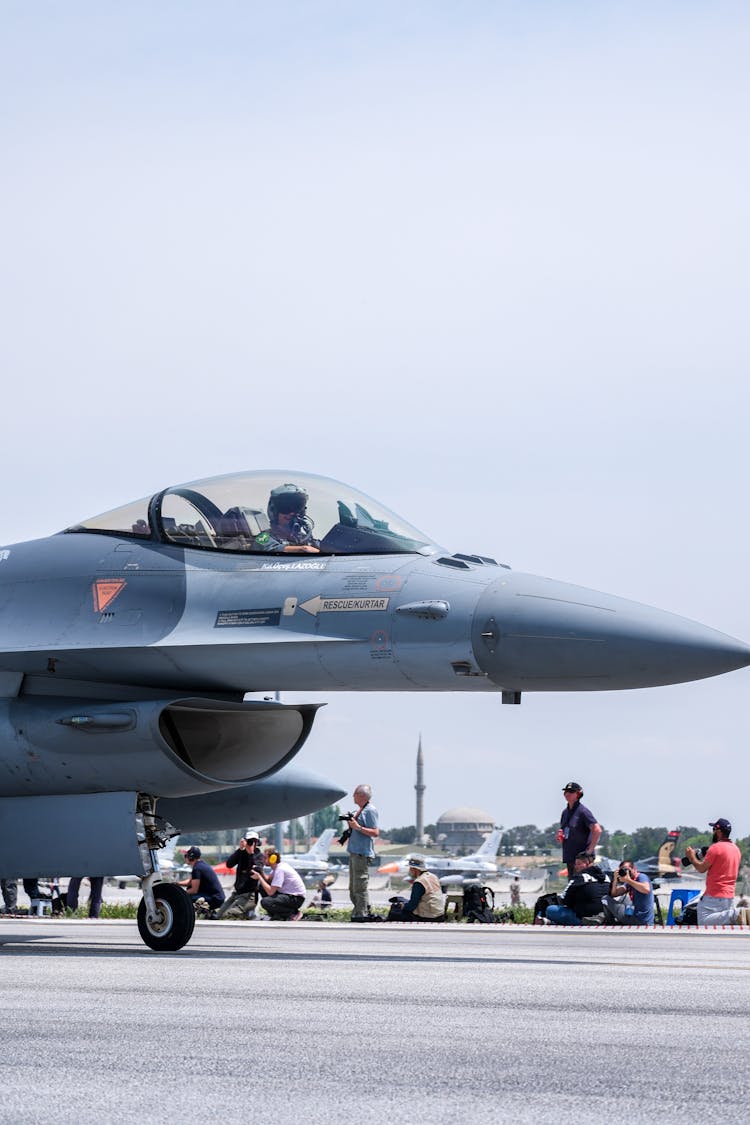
420 788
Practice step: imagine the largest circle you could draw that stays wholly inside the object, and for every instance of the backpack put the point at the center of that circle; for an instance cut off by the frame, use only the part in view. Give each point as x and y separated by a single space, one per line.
541 904
396 912
477 906
689 916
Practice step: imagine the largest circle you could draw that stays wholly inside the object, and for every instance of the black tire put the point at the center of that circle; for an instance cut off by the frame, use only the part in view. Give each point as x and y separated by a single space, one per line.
175 923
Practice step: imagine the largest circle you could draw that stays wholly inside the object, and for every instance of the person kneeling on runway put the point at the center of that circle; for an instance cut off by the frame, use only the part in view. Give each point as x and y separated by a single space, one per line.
426 901
284 895
582 898
203 882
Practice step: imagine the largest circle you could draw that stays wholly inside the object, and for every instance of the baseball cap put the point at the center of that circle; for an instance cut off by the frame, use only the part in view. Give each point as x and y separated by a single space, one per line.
723 824
251 834
417 862
193 853
572 787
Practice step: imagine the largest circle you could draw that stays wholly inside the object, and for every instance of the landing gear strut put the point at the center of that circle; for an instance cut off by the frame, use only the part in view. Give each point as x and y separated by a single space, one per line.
166 918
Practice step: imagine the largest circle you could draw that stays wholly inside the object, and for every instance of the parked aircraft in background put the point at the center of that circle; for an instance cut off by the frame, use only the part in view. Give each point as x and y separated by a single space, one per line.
130 640
313 864
663 865
457 869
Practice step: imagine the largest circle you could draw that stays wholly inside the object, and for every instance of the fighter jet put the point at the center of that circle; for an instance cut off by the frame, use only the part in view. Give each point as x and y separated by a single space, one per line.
129 641
312 864
663 865
455 870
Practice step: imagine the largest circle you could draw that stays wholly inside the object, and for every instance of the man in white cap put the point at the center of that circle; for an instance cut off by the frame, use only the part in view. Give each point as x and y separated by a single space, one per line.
248 857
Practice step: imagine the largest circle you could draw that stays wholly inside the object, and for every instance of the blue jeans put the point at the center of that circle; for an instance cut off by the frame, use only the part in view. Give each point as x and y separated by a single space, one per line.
562 916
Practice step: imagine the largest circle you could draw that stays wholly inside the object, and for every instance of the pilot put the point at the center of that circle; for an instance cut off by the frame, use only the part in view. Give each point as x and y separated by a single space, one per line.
204 882
291 527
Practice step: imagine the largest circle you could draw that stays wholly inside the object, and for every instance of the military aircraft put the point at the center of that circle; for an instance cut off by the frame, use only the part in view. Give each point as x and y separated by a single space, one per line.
313 864
663 865
130 640
452 870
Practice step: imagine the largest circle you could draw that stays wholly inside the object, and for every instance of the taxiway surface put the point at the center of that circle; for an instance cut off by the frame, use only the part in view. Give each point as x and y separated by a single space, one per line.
381 1023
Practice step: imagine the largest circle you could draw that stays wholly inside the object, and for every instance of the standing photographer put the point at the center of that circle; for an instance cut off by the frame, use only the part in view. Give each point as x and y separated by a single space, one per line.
362 827
721 861
628 880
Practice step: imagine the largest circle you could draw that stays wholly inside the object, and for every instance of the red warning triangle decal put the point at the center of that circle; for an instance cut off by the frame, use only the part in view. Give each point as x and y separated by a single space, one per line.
105 590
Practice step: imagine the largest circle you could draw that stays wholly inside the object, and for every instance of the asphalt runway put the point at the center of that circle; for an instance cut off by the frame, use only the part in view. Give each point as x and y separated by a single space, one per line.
319 1022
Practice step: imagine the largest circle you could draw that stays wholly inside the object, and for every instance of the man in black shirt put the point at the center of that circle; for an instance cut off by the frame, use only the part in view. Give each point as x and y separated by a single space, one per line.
582 898
204 882
579 830
248 857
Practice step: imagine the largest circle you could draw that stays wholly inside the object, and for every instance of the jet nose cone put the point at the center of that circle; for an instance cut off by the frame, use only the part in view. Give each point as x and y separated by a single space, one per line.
534 634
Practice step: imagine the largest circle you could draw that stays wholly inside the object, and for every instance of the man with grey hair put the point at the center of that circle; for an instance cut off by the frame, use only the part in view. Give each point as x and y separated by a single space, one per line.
363 829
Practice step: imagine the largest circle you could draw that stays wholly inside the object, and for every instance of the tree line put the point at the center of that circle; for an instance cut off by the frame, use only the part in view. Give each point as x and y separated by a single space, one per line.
528 839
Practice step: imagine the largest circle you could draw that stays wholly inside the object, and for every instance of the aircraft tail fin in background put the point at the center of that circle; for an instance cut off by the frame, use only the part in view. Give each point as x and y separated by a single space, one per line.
664 860
489 848
322 845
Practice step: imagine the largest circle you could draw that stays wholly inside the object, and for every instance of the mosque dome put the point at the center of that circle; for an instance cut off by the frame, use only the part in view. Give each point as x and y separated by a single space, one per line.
464 826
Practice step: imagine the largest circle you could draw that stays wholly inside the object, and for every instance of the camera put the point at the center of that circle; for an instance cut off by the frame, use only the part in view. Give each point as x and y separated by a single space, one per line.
700 853
623 871
347 831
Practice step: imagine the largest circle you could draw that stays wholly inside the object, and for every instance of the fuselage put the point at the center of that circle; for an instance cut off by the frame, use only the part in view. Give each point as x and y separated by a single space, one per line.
89 608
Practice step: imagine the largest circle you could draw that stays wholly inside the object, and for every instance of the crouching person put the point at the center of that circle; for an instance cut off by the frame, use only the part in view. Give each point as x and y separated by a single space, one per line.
204 882
628 880
582 898
284 895
248 857
426 901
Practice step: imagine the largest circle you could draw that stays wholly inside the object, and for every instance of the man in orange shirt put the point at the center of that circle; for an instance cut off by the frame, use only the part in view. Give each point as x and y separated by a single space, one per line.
722 862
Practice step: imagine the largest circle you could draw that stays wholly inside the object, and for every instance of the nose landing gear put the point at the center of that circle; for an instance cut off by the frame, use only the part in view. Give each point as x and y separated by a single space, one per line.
166 918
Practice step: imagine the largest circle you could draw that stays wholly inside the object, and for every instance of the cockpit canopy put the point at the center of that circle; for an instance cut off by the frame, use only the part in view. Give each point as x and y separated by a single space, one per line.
264 513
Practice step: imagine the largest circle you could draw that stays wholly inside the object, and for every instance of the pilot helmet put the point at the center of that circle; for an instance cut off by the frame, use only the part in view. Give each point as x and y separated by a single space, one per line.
286 498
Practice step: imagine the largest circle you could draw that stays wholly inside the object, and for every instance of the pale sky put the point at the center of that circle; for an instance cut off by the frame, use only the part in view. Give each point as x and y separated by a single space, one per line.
486 262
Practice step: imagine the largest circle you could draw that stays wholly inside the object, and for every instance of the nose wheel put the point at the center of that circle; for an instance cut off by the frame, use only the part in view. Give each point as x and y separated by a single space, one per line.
170 924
